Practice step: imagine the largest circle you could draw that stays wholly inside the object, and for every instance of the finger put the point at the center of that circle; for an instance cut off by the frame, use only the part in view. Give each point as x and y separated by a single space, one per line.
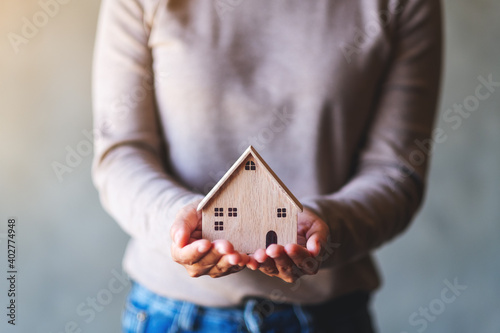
223 246
235 258
244 259
224 267
186 222
228 264
204 264
301 240
198 264
196 234
190 253
260 256
302 258
219 248
252 263
314 230
268 267
283 263
317 235
265 264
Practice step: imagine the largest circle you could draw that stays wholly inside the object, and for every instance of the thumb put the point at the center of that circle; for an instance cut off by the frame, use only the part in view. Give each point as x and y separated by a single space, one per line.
184 225
316 236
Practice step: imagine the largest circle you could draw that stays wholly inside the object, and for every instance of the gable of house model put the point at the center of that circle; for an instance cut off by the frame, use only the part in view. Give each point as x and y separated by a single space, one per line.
250 206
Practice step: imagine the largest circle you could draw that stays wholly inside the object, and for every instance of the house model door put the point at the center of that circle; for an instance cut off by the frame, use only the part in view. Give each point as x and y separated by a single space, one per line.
271 238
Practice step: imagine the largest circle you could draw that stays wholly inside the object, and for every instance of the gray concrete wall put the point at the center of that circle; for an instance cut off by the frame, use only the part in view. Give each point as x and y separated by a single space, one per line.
69 250
457 233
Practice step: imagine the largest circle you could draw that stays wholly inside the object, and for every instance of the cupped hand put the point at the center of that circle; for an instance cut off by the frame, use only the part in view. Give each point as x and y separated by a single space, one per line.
200 256
292 261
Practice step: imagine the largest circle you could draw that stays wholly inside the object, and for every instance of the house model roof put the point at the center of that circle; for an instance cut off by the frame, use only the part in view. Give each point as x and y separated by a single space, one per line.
250 151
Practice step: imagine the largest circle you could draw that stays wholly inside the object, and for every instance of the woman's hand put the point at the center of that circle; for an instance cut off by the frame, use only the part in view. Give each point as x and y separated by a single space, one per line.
200 256
294 260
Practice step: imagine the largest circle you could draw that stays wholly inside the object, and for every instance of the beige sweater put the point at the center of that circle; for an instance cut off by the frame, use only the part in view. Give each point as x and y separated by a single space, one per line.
337 96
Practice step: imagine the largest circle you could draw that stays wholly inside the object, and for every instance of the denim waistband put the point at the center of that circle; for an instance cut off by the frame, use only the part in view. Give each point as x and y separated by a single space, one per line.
252 313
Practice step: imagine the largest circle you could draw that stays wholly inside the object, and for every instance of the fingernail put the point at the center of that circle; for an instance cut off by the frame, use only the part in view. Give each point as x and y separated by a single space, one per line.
269 253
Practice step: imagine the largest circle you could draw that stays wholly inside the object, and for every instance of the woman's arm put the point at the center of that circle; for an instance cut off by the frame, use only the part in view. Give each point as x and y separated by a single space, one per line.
388 186
128 167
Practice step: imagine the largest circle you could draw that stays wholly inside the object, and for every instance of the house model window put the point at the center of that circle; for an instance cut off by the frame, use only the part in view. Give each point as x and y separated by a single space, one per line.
252 210
219 212
250 165
233 212
281 212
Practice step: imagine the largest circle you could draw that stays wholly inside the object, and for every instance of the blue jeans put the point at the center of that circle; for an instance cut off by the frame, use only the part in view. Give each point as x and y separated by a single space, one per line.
146 311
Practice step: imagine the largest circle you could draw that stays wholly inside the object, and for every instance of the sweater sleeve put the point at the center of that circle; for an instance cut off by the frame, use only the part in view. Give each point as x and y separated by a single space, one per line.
128 168
386 190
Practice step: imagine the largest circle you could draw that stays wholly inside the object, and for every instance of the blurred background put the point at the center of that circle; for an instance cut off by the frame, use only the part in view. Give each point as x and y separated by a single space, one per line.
69 250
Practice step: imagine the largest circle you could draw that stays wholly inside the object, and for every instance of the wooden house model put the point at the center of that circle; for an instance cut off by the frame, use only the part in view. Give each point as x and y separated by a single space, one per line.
250 207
